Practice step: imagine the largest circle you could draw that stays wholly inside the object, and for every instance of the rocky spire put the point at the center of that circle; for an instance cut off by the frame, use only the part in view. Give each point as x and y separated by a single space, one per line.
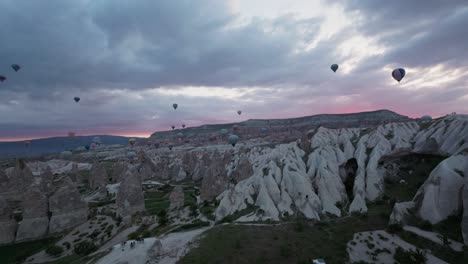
98 178
130 197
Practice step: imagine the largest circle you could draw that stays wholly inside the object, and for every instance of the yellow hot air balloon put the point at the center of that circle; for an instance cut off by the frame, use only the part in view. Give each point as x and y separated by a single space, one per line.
132 141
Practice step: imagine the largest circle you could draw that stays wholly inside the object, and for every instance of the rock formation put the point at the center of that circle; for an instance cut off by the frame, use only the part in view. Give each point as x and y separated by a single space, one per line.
176 198
98 178
156 249
464 223
7 224
66 208
35 215
117 171
277 172
130 197
243 169
215 180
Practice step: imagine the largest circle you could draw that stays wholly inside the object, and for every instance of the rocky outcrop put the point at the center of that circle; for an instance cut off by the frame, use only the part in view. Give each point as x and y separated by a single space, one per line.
279 186
243 169
331 151
130 197
117 171
35 215
66 208
98 178
146 169
7 224
57 166
215 180
464 223
156 249
440 195
18 179
176 198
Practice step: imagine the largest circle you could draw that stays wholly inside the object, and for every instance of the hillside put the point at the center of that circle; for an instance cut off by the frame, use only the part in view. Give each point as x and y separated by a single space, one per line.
54 145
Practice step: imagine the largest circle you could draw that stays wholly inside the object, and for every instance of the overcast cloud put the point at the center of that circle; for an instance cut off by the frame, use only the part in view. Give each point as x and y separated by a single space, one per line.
129 60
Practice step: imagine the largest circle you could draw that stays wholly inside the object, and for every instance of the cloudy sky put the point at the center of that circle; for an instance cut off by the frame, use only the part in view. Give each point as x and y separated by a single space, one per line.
130 60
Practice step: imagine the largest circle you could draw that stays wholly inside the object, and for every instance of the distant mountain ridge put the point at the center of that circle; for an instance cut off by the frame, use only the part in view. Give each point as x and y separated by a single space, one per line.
360 119
55 145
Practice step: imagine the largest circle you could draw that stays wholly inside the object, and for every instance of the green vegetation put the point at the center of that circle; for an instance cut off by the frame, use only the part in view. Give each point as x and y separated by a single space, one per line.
155 201
84 248
141 232
450 227
409 256
197 223
440 251
54 250
287 243
208 211
17 253
420 172
231 218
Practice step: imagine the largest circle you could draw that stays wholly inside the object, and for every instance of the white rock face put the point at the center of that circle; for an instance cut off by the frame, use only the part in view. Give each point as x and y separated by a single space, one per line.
278 180
130 196
7 225
439 197
464 223
57 166
272 189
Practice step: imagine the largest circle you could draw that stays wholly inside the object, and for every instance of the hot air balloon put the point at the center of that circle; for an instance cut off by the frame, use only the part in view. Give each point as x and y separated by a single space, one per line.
15 67
132 141
93 145
223 131
235 128
183 125
87 147
175 106
239 112
77 99
149 143
398 74
233 139
334 67
180 134
173 127
131 155
425 118
170 147
2 78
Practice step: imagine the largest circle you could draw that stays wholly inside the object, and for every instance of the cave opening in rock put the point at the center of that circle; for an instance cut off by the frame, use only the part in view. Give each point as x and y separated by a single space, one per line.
350 169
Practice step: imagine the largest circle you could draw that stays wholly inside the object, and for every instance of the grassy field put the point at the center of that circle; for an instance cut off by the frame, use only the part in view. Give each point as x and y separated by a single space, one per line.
156 201
288 243
17 253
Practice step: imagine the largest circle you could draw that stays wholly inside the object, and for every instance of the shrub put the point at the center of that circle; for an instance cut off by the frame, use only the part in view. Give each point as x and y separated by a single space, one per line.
409 256
54 250
285 251
84 248
67 244
299 226
426 225
394 228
